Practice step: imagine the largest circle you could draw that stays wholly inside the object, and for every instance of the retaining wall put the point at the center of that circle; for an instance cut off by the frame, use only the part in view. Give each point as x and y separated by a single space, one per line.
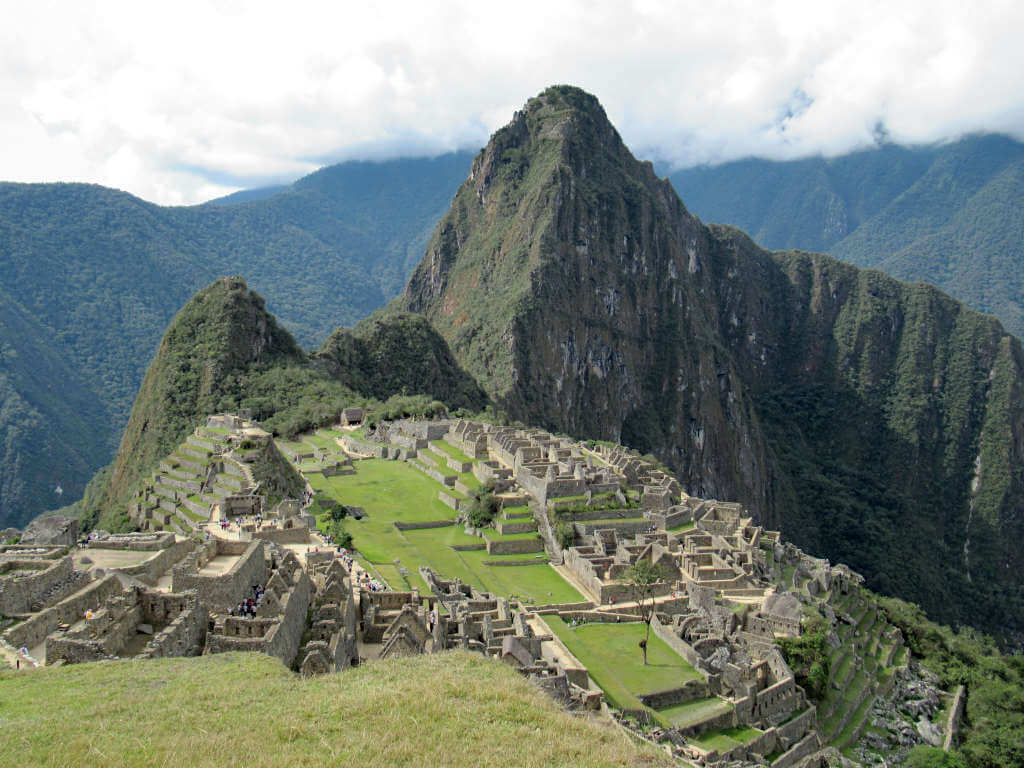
515 546
34 630
151 570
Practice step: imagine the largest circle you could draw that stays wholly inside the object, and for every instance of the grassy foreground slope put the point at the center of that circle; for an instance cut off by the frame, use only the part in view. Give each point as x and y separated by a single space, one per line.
247 709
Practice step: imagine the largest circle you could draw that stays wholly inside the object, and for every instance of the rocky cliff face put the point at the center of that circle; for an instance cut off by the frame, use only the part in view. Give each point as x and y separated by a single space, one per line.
876 422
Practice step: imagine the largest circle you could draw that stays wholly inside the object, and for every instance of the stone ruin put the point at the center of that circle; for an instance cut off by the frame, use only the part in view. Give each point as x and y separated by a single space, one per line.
502 629
32 577
332 638
137 622
280 619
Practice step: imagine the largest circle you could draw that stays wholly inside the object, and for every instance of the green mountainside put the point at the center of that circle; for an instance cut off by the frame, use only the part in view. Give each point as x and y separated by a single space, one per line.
98 274
52 423
874 422
224 351
948 214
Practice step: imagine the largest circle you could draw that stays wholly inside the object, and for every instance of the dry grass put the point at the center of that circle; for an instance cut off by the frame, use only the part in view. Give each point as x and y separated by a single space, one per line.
452 709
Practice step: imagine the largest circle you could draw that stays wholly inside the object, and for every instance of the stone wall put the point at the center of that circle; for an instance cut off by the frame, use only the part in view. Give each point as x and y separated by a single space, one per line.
34 630
806 746
134 542
27 581
422 526
220 592
689 691
798 726
515 546
448 500
624 528
151 570
296 535
278 636
677 643
185 635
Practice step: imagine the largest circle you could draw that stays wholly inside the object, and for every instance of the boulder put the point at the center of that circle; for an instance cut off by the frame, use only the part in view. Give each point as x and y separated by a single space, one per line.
55 530
9 534
930 732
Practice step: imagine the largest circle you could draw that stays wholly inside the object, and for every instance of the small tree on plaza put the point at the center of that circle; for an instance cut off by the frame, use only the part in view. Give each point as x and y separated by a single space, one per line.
641 578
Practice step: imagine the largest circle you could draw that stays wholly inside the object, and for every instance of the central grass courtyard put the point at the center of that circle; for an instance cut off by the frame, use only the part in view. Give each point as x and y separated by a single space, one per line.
394 491
611 654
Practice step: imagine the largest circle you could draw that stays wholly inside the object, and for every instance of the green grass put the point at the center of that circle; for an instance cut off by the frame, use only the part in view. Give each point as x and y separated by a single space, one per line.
321 441
248 709
440 446
726 738
680 528
391 490
845 737
493 535
611 655
699 710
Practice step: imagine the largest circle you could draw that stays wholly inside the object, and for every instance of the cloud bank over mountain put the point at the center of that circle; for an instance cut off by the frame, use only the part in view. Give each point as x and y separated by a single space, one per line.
184 103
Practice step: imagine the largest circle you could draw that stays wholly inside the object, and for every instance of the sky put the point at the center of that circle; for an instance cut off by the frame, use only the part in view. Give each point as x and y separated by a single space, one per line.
182 102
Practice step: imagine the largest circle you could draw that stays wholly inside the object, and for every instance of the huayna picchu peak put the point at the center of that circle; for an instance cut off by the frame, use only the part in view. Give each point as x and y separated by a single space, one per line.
682 483
881 422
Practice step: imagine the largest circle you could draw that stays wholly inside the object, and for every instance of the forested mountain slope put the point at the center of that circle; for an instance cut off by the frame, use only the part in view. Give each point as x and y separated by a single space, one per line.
98 274
948 214
875 422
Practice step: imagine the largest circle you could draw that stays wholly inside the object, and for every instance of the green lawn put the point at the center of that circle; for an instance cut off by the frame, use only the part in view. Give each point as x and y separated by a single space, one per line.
681 528
726 738
440 446
696 711
611 654
388 490
392 490
388 713
322 441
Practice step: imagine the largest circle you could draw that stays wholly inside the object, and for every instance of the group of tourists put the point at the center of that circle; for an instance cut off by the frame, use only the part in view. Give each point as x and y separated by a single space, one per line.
247 608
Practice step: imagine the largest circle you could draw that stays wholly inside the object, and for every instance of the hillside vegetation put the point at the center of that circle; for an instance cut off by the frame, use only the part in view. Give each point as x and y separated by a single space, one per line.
875 422
454 708
97 275
224 351
945 214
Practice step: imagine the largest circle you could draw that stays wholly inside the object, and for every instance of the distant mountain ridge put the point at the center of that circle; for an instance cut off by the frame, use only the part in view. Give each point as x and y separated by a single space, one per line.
98 274
948 214
876 422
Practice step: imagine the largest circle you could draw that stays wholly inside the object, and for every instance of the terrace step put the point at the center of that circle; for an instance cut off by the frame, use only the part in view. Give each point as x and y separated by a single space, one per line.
503 527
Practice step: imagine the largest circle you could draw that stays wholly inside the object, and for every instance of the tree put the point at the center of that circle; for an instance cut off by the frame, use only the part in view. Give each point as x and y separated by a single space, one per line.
338 513
483 507
641 577
339 535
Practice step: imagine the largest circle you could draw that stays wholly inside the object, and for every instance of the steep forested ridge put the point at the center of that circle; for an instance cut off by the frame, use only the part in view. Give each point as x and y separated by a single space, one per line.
945 214
98 274
873 421
224 351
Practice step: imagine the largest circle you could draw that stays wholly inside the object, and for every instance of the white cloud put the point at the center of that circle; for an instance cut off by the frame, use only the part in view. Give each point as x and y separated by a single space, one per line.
186 101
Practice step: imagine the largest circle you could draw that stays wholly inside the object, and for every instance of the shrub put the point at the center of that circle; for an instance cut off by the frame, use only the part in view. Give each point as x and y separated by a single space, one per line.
340 536
483 507
565 534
